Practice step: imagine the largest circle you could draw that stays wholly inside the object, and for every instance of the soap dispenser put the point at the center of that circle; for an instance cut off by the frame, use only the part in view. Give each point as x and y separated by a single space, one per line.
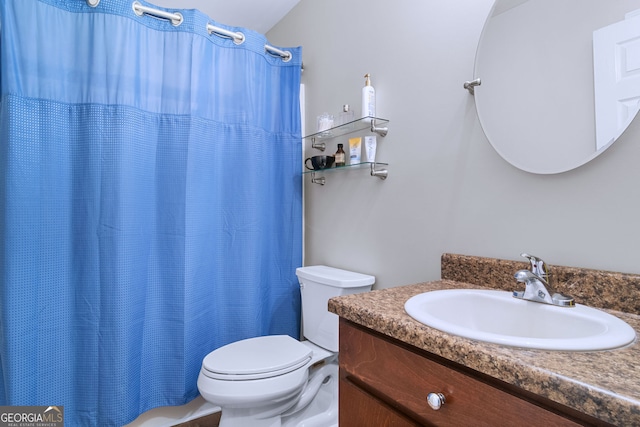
368 98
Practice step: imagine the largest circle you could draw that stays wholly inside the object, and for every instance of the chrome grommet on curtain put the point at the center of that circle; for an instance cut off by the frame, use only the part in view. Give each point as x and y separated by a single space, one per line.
285 55
175 18
93 3
178 20
136 8
238 37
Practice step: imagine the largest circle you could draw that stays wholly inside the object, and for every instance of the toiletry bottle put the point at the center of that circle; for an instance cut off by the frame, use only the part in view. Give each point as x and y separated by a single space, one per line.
368 98
355 150
346 116
370 148
340 156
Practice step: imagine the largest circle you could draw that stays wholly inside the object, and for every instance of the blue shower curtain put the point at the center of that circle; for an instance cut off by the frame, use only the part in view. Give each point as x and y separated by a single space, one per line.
150 203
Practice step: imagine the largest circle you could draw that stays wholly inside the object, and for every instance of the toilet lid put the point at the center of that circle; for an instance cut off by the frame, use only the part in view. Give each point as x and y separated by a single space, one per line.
256 358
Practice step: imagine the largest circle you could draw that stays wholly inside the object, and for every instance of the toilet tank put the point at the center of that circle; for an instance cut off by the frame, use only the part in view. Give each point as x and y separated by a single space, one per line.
318 284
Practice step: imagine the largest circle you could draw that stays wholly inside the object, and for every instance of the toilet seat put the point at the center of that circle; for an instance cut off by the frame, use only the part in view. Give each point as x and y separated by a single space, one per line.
256 358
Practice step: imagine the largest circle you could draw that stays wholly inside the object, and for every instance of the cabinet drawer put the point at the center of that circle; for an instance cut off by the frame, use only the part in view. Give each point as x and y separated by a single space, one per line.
404 378
359 409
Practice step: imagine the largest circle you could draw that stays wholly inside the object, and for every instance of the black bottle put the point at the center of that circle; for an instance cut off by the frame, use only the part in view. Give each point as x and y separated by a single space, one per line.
340 156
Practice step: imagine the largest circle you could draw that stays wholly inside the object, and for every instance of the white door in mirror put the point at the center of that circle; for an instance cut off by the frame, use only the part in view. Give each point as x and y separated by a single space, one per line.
616 58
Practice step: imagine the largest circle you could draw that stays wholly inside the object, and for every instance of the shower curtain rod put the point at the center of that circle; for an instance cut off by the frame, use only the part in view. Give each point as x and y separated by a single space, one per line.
176 19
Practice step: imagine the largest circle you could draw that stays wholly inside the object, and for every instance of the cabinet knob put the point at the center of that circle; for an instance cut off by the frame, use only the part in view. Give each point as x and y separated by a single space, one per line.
436 400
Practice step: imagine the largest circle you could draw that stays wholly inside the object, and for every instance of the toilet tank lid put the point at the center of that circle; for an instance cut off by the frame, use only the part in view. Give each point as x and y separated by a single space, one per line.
334 276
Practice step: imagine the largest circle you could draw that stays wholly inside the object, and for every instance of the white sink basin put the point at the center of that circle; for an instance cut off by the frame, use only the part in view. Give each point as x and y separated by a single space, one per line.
497 317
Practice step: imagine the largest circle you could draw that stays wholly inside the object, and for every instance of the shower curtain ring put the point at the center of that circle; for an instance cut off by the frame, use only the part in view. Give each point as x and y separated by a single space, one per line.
93 3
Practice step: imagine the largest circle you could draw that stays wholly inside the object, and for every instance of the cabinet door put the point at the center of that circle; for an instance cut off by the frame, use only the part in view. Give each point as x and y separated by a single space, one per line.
359 409
403 378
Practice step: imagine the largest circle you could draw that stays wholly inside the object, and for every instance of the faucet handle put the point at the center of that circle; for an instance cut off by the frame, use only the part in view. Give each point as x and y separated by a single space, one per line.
538 266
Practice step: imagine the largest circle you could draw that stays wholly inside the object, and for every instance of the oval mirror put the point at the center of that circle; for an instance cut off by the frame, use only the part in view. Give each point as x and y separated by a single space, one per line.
560 79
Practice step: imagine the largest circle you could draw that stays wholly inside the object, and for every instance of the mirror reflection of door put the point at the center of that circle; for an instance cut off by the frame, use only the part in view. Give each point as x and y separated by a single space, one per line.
616 58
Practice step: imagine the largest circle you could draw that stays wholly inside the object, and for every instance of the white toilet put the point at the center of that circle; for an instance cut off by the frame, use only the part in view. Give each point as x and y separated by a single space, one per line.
276 380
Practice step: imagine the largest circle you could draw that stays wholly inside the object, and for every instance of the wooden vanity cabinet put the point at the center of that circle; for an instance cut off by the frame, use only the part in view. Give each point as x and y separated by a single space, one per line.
384 382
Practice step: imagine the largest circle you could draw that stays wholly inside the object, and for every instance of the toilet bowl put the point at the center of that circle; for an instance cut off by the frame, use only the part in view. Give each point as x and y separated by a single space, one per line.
275 381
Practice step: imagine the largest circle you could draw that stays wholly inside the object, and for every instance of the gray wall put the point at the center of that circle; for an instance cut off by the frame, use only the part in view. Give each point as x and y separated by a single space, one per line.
448 190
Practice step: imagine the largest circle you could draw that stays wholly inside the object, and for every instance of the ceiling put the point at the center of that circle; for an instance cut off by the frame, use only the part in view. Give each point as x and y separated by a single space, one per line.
257 15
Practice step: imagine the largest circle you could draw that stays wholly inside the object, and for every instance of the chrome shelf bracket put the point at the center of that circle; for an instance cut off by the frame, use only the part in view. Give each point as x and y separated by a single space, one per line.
318 145
319 180
382 173
382 131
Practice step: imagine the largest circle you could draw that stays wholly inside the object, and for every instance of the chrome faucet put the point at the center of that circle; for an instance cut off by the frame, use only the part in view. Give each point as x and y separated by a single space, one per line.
537 285
538 267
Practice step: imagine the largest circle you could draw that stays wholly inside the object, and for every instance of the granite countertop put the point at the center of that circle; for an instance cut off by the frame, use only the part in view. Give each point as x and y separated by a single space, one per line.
602 384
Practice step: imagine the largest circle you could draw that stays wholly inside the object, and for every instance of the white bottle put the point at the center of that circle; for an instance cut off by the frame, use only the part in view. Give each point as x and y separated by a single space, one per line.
370 148
368 98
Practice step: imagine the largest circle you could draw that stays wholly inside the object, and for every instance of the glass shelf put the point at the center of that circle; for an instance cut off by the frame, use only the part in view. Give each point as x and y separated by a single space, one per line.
373 167
346 167
375 124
